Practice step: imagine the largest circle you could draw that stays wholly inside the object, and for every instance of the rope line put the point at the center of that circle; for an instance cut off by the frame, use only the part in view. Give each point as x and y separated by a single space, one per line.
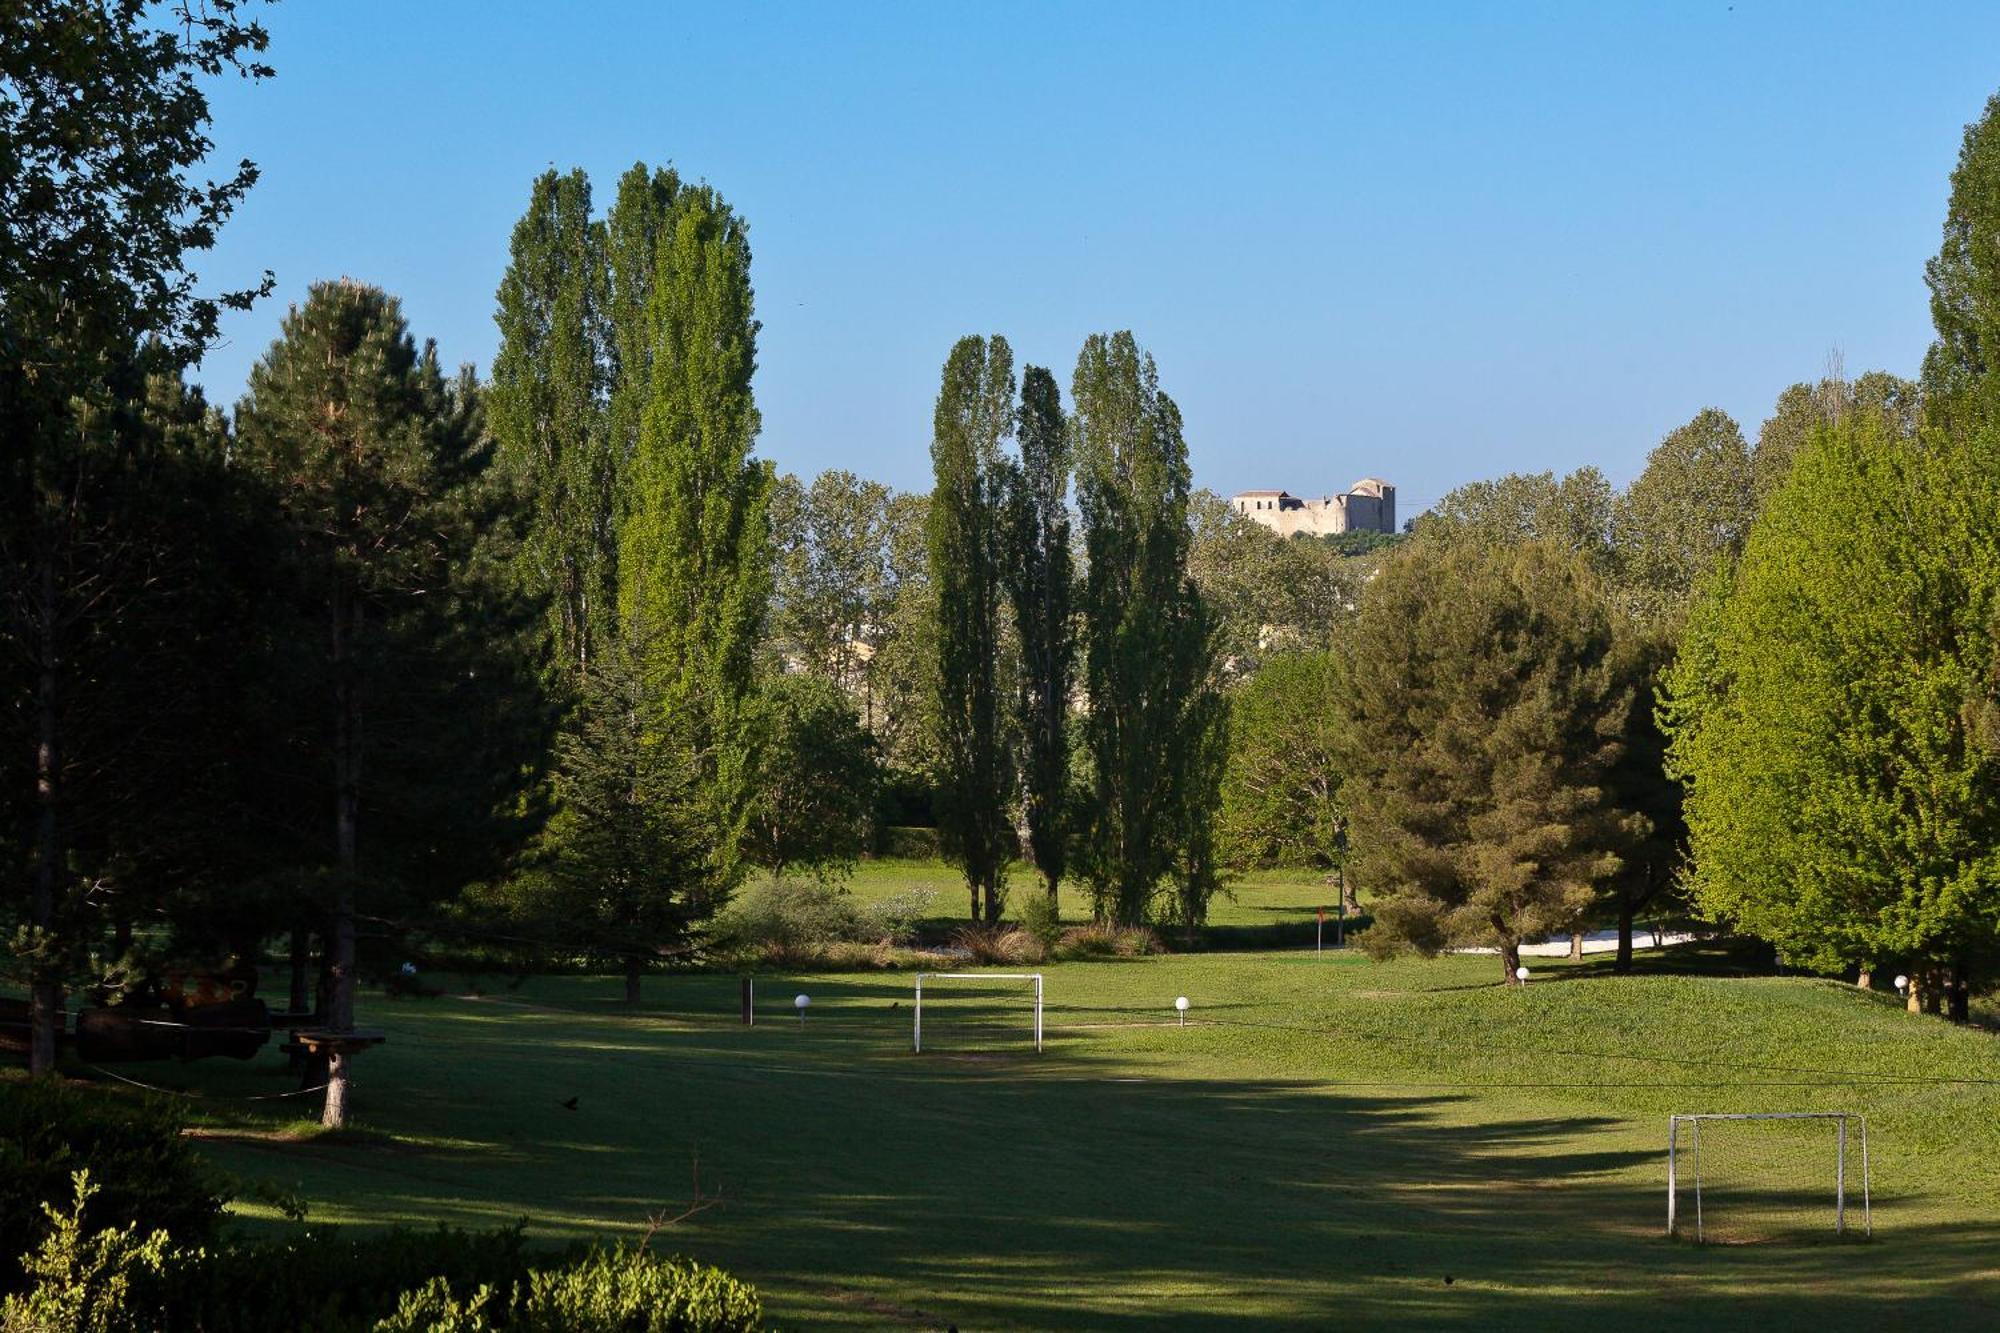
204 1096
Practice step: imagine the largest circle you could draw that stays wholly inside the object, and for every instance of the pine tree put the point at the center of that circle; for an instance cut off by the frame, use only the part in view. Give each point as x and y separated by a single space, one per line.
1040 581
628 869
390 630
974 417
547 408
1149 643
1479 735
694 562
104 121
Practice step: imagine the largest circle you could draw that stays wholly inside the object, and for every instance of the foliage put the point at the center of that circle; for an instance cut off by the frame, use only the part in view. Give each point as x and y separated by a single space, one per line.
82 1280
1478 736
1037 915
694 561
628 867
408 703
1040 577
104 120
1961 373
975 415
144 1171
608 1291
1692 506
1831 707
1149 640
1268 594
794 917
835 577
1804 408
1281 798
546 403
816 779
1575 513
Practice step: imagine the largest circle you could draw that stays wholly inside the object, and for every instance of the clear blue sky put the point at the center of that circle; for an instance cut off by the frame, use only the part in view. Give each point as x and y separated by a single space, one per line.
1430 243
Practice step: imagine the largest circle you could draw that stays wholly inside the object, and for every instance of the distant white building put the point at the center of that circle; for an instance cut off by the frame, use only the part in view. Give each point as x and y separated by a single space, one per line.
1369 505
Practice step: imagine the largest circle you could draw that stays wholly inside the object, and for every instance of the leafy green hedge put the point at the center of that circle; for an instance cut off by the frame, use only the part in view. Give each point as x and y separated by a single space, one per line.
146 1172
607 1291
906 843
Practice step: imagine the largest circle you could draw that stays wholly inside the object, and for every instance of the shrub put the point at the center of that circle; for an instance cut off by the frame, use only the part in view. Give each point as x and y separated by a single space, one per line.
607 1291
616 1291
798 921
89 1280
1103 940
1039 916
905 843
142 1170
998 944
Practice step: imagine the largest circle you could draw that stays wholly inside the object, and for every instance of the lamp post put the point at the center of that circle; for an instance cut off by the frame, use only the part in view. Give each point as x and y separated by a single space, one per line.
799 1002
1180 1007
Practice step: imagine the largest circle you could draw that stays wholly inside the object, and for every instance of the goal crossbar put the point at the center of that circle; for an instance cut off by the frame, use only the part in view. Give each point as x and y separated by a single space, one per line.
917 1038
1695 1123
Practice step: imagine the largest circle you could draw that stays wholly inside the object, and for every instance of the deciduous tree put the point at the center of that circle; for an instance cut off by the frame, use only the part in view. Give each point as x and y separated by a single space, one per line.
974 418
1151 668
1040 578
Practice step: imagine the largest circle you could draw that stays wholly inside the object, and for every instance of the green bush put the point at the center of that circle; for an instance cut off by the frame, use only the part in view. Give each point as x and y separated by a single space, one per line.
607 1291
631 1291
85 1280
1039 916
797 917
143 1171
908 843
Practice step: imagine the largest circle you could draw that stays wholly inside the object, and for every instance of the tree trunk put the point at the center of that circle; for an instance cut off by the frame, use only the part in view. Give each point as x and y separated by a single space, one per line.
1958 996
45 989
301 960
1913 995
346 818
334 1115
1349 900
1865 978
1510 961
1576 946
635 968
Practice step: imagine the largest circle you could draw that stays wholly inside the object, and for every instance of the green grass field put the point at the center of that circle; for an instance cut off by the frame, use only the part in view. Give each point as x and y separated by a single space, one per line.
1331 1141
1260 909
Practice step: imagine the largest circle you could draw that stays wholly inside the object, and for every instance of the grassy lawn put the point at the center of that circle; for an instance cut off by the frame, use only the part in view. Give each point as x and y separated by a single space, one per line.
1331 1141
1261 908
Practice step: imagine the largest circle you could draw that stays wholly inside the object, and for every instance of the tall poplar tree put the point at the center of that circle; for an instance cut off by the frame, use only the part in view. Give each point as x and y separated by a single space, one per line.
1149 643
1961 374
974 418
694 564
641 213
1040 578
546 407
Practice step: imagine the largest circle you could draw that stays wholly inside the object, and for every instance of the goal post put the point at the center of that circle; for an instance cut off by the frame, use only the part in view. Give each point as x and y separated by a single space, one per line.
1033 978
1753 1174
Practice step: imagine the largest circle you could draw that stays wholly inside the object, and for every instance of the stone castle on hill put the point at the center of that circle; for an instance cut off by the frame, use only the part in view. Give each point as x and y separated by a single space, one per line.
1368 506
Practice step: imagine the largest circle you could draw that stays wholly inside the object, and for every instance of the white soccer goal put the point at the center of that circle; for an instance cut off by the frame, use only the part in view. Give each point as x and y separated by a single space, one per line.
1764 1175
987 1005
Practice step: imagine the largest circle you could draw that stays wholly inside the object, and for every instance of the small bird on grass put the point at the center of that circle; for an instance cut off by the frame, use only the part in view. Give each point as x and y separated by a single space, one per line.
569 1105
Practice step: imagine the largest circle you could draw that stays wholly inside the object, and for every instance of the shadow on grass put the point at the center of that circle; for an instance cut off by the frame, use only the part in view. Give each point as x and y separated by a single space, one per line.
1095 1187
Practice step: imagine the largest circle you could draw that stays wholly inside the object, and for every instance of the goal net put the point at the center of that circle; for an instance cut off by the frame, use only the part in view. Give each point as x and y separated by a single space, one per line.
1777 1175
978 1011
